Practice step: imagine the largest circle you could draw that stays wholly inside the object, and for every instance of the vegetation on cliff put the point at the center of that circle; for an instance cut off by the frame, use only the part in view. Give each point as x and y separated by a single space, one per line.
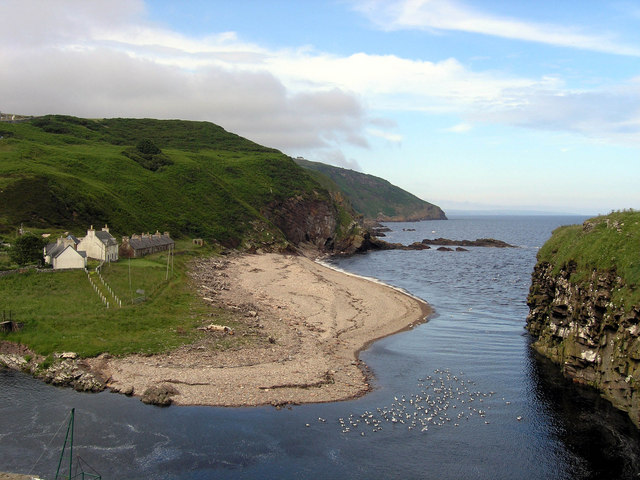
609 243
374 197
585 306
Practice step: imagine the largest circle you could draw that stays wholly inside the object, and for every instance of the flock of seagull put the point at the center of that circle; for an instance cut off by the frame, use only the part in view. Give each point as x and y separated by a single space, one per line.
444 398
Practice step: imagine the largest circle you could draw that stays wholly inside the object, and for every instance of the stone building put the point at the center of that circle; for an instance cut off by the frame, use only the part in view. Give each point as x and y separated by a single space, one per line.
63 254
140 245
100 245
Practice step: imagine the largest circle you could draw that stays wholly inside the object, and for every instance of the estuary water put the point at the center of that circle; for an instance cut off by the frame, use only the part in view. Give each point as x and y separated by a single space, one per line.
460 397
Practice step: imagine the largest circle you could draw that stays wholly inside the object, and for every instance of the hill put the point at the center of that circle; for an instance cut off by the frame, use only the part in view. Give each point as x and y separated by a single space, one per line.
192 179
584 305
374 197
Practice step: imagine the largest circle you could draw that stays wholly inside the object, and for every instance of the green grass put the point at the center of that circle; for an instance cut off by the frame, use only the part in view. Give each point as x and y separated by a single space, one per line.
612 244
61 311
69 173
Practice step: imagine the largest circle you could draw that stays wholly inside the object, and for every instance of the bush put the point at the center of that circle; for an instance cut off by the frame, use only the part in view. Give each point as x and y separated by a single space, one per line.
27 250
148 155
147 147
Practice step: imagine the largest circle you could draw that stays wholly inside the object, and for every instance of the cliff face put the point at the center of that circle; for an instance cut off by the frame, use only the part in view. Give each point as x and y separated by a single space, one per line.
305 220
579 326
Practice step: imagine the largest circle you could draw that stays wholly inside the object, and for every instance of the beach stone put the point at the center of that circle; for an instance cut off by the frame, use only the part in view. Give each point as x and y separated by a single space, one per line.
159 395
15 362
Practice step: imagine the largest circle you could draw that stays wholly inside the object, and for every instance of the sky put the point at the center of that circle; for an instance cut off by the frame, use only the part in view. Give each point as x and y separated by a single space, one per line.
468 104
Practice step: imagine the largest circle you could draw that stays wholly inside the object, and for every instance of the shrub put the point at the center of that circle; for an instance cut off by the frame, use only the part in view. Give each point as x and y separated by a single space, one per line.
147 147
27 249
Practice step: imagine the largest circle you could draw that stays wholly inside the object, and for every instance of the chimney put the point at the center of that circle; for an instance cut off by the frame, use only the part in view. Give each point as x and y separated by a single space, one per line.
106 228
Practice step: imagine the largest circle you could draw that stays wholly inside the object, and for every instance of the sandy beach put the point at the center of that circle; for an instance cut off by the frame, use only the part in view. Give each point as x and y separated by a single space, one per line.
306 322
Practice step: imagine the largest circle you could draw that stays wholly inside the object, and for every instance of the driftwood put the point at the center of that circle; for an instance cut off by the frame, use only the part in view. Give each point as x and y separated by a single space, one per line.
217 328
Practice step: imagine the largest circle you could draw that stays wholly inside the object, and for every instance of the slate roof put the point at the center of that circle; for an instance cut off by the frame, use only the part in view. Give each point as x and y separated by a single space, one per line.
74 238
149 242
106 238
54 249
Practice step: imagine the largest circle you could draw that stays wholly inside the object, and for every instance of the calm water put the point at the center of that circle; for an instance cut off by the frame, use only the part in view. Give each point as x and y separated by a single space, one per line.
460 397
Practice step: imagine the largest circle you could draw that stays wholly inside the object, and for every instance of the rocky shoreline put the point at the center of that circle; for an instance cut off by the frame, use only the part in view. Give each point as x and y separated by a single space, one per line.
65 370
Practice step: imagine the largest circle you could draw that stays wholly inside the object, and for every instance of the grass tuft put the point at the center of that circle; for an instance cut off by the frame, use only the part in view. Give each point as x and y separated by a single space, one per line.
604 243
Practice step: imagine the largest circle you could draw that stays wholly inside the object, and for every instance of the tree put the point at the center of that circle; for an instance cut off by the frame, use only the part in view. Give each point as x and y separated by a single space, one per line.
27 249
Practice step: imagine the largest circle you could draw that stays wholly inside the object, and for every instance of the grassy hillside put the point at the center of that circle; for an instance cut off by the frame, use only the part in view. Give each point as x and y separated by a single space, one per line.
374 197
67 172
60 311
605 243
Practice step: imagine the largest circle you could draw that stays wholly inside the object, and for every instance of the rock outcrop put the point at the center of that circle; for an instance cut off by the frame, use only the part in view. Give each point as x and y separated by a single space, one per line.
160 395
72 373
578 326
303 219
480 242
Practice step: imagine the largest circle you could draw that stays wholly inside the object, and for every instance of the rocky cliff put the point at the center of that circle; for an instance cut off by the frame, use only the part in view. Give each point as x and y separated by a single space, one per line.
583 311
316 221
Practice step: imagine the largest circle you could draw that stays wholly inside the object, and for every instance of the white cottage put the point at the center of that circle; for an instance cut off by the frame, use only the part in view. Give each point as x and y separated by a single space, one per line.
62 254
69 258
100 245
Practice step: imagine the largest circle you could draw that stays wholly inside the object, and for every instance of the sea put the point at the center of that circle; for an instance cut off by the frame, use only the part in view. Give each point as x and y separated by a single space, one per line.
462 396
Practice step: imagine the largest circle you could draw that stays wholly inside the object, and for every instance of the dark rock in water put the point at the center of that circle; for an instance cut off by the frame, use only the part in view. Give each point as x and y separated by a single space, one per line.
417 246
480 242
159 395
461 249
370 242
445 249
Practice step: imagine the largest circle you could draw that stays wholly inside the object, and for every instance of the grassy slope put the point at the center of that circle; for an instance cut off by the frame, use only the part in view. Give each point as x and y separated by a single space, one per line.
371 195
60 171
61 311
612 244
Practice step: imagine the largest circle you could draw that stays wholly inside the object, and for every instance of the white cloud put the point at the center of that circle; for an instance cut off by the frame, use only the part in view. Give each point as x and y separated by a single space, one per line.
336 157
82 58
92 60
388 136
611 114
453 15
459 128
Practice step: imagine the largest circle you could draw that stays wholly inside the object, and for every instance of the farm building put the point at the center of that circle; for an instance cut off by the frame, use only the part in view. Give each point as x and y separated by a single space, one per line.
140 245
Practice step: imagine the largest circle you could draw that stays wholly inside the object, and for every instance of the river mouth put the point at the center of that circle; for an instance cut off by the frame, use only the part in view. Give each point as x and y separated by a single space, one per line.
535 425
